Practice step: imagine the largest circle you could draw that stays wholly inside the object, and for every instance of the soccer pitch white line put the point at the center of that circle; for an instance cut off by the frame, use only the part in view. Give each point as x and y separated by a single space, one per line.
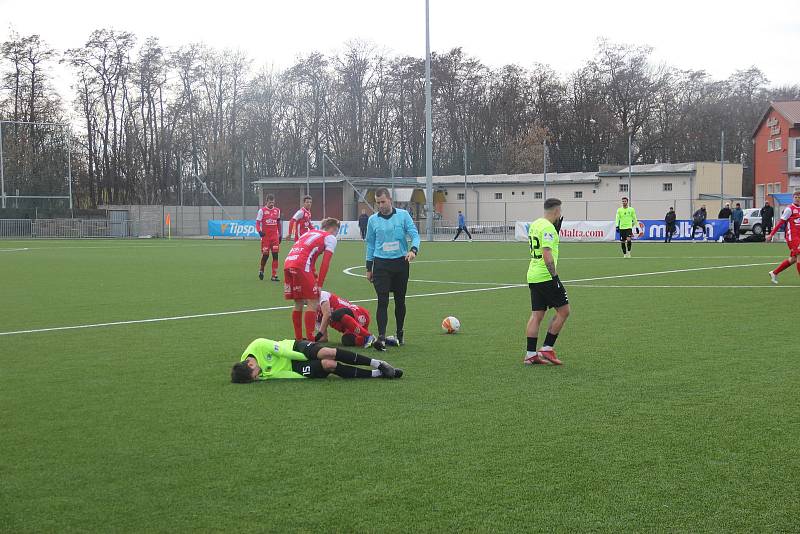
607 286
13 249
436 294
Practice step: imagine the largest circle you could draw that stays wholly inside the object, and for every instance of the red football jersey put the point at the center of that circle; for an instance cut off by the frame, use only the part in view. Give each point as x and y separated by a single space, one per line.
303 221
268 221
337 303
305 251
792 217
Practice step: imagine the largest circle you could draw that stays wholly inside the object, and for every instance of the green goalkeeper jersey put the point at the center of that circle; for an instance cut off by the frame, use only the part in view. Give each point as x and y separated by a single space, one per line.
274 358
626 218
542 234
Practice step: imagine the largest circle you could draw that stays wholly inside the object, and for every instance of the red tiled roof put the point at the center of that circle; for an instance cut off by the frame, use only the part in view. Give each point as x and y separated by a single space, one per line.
789 110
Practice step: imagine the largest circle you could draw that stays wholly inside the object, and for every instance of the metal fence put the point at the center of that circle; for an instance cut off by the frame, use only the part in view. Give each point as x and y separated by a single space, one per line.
480 231
77 228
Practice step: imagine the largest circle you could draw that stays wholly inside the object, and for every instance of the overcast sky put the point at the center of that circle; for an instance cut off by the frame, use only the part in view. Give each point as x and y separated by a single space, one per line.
717 36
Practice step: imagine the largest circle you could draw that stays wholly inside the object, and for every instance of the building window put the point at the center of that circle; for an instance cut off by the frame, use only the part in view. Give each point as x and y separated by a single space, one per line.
498 196
777 144
667 187
513 193
623 188
777 188
770 146
578 194
537 195
523 193
460 196
769 189
794 147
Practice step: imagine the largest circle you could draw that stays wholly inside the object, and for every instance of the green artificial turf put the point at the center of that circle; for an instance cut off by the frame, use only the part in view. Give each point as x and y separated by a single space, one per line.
676 409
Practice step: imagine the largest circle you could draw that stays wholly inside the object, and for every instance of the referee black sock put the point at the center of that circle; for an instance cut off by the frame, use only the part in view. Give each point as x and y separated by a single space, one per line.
345 356
550 339
630 244
346 371
532 344
623 247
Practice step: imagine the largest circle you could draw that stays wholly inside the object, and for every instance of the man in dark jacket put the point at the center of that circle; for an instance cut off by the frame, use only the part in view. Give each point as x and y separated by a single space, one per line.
670 220
699 221
725 213
737 216
363 219
767 216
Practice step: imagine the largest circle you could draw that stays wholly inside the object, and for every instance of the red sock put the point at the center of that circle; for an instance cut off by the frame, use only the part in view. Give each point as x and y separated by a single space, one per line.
784 265
798 267
311 321
297 321
352 325
274 267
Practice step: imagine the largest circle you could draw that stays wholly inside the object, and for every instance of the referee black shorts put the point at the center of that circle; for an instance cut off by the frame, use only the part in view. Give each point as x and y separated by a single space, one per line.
390 275
625 234
547 295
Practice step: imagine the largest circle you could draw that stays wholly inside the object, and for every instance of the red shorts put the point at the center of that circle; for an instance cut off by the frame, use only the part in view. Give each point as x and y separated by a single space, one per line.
362 316
794 247
299 284
270 244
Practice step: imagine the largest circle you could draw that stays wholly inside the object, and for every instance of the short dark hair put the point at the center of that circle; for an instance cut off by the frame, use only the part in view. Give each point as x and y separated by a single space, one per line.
329 222
383 192
241 373
671 207
307 197
551 203
269 197
738 205
625 198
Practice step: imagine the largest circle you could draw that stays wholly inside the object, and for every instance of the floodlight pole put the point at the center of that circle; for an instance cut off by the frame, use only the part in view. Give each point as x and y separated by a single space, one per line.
243 215
544 160
2 168
630 158
722 170
324 212
69 170
465 181
428 125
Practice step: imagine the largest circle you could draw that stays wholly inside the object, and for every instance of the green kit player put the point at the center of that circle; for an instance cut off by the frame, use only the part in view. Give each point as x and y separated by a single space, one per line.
265 359
625 222
546 289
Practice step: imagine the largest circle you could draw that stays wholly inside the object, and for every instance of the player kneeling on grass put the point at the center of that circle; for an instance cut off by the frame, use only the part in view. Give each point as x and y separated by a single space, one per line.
350 319
546 289
265 359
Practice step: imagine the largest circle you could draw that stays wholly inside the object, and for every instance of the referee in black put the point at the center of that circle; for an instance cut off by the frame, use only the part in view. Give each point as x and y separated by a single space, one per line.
388 258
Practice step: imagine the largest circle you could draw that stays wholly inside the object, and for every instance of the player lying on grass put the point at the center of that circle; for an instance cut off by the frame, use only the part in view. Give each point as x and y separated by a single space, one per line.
265 359
350 319
791 219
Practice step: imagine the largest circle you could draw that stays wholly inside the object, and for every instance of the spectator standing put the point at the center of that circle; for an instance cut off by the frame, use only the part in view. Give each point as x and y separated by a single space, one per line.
363 219
669 218
767 217
737 216
725 213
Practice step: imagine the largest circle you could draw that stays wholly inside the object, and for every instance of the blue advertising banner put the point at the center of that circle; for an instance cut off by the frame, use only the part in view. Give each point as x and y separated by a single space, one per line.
232 229
653 230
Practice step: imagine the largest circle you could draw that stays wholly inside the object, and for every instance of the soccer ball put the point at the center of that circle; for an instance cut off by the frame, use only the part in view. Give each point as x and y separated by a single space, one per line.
451 325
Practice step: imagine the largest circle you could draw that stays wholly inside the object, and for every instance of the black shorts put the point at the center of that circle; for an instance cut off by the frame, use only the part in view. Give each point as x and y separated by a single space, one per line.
309 369
547 295
307 348
625 233
390 275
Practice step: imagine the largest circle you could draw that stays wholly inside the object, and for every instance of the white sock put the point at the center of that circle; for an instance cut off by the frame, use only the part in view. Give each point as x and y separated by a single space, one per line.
530 353
375 363
547 347
376 373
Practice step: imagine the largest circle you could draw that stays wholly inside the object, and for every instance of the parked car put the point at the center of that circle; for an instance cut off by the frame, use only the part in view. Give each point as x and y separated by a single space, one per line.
752 221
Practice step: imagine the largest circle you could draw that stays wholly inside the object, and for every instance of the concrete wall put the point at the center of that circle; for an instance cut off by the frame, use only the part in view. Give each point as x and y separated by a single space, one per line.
189 221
